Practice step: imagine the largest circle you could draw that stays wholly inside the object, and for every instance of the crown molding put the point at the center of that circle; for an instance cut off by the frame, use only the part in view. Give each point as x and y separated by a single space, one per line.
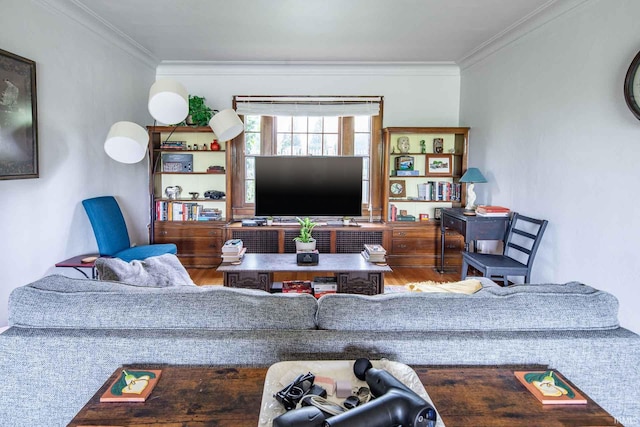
305 68
546 13
79 13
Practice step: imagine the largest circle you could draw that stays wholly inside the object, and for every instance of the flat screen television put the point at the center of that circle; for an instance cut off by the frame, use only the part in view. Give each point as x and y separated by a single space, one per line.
308 186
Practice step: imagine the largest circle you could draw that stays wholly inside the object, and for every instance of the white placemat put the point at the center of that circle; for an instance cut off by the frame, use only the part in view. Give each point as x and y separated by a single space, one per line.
282 373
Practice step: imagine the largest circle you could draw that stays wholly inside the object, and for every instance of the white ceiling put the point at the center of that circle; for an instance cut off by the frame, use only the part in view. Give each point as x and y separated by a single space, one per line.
313 30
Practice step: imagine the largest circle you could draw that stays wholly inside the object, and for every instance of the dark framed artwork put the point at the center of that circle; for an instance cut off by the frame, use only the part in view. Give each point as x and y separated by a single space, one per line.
18 117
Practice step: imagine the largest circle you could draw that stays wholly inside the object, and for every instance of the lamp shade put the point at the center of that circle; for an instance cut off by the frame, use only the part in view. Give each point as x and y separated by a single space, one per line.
126 142
168 101
226 124
473 175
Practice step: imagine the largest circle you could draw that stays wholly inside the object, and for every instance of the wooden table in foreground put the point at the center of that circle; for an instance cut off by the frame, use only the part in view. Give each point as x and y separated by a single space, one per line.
198 396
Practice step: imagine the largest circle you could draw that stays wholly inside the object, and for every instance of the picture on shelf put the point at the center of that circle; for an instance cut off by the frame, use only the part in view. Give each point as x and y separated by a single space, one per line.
438 164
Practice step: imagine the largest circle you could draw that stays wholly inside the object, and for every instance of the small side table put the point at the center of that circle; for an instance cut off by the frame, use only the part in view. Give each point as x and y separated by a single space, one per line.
76 263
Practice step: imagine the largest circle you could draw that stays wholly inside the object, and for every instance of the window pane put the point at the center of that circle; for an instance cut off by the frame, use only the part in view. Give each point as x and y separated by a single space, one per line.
365 191
365 168
299 144
250 191
331 145
362 143
284 144
251 143
252 123
315 124
250 168
283 123
299 124
315 144
331 124
362 124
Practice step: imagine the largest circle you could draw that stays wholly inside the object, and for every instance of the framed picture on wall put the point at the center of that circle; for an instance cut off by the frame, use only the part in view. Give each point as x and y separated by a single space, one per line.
439 165
18 117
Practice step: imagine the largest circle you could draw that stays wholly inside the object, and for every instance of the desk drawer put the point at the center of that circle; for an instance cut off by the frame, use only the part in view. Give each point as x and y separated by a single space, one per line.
415 233
411 246
454 224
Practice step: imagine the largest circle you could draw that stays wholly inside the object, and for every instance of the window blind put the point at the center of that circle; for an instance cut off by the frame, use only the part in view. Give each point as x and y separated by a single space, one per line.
327 106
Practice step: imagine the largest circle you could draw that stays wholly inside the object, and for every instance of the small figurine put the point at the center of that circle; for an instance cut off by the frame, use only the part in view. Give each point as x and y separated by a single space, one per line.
423 147
403 144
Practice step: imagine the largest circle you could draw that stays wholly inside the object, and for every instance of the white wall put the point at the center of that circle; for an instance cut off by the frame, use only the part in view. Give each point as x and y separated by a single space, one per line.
84 84
552 133
414 95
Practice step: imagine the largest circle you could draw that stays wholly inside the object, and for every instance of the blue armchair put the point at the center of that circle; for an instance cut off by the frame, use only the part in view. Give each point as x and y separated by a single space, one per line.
111 232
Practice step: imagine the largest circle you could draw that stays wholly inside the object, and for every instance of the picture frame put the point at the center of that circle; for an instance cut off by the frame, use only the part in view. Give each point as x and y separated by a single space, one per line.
437 213
439 165
18 117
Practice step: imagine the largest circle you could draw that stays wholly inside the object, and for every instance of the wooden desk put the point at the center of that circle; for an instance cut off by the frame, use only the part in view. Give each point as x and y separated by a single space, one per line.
200 396
353 273
473 228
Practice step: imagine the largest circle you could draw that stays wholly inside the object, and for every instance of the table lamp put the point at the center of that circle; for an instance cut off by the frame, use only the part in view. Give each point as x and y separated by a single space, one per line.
471 176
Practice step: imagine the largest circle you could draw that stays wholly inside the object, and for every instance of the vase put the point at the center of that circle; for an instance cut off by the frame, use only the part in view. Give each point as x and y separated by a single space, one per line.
215 146
306 246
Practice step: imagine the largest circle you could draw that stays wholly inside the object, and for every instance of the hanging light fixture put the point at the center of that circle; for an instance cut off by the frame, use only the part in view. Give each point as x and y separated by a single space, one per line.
226 124
126 142
168 101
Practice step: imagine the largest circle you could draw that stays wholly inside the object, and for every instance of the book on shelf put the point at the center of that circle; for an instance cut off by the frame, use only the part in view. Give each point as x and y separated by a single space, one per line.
234 257
132 385
550 388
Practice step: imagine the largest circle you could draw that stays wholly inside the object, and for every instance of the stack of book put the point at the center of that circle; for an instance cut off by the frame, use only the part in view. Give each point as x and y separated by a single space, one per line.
492 211
324 285
233 250
374 253
296 287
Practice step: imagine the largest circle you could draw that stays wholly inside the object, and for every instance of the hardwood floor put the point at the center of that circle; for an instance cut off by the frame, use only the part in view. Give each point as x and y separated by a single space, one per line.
399 276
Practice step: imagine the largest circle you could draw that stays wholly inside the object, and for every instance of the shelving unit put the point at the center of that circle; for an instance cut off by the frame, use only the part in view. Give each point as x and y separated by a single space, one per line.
415 242
199 241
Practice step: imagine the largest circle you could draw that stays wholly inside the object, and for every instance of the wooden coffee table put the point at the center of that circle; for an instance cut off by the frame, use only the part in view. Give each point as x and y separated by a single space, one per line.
231 397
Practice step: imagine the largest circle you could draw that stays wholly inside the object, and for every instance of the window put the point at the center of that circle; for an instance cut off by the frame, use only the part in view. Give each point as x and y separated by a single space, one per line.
304 135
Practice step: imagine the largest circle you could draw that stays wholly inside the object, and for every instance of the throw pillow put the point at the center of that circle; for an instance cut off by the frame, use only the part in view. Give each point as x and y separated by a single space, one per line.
157 271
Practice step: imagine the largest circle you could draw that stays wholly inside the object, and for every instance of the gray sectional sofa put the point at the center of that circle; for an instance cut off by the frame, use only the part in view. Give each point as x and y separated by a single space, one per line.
68 335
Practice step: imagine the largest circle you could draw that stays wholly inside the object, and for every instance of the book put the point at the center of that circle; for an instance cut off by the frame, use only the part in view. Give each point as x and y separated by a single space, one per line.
297 286
550 388
375 258
375 249
490 209
494 214
227 257
131 385
232 247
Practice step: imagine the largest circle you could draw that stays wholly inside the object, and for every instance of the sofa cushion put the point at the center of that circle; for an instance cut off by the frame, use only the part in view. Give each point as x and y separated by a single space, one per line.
569 306
62 302
157 271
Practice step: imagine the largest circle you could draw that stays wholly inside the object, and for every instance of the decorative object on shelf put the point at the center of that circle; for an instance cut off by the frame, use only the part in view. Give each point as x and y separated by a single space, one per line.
423 146
19 140
437 213
269 220
226 124
346 221
472 176
403 144
216 169
397 188
167 104
177 162
199 112
194 195
173 192
632 86
404 163
438 145
215 145
439 165
305 241
214 194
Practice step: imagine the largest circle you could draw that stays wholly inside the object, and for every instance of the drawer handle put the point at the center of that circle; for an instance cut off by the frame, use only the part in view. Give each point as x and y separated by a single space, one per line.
402 233
163 233
402 246
212 233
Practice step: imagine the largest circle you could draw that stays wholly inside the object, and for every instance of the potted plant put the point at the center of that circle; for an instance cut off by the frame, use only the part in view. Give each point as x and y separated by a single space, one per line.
304 241
199 112
269 220
346 220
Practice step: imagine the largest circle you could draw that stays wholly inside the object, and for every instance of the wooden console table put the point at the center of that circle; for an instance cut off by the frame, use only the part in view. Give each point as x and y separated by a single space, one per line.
200 396
354 274
472 227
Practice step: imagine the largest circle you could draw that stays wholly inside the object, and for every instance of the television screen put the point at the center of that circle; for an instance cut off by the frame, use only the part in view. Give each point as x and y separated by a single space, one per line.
308 186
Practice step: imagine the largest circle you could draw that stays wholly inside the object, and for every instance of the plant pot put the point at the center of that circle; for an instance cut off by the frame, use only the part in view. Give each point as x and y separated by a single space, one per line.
269 222
305 247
